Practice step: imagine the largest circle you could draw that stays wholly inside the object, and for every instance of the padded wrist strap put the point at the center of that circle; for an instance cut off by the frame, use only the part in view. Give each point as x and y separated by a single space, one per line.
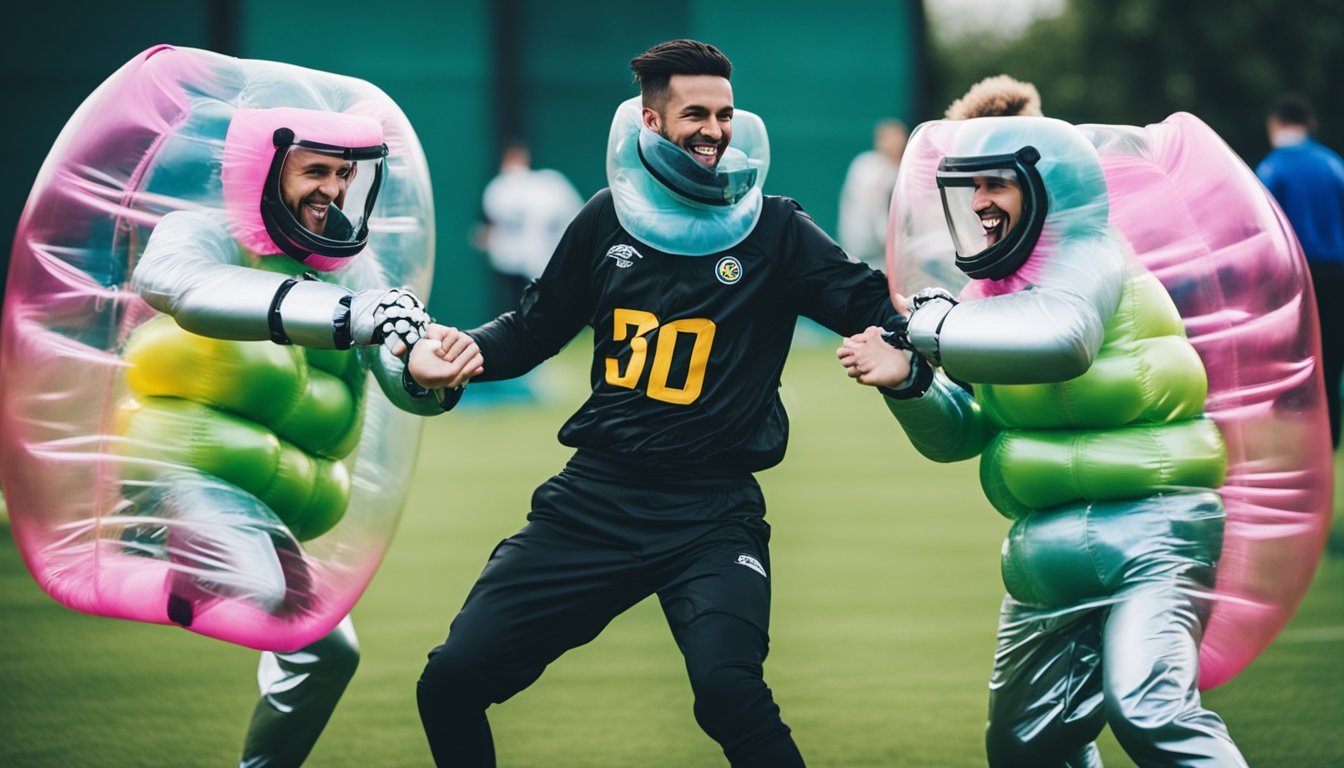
273 316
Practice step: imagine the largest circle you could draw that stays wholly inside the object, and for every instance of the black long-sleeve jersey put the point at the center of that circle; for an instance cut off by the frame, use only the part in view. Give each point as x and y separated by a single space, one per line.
687 350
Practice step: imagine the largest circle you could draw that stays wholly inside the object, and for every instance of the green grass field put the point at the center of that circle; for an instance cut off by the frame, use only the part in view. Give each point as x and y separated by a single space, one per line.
886 589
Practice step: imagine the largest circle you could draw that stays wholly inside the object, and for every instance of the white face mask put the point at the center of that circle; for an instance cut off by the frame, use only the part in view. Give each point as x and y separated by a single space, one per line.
1287 136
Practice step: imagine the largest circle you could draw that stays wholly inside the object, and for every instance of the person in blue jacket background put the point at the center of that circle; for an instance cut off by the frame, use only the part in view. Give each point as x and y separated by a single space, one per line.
1307 180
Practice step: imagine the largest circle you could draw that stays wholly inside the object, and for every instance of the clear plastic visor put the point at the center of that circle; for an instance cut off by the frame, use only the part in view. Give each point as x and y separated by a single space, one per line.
982 207
328 193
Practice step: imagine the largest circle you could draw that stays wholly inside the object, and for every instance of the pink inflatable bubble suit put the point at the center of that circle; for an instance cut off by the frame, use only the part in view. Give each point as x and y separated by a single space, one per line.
106 540
1202 223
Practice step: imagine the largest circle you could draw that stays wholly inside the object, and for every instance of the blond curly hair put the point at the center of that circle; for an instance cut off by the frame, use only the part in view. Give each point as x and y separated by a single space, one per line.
997 96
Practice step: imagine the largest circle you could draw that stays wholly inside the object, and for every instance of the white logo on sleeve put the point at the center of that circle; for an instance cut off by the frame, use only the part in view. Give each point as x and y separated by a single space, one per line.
623 254
752 563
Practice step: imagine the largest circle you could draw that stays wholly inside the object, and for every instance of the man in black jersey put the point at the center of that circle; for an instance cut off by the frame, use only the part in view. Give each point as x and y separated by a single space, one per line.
692 281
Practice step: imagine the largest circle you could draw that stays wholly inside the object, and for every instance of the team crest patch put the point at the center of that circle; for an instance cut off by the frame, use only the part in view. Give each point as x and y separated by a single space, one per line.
752 563
728 270
624 255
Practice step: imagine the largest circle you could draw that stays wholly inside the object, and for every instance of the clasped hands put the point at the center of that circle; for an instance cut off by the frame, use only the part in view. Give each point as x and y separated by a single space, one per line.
870 359
445 357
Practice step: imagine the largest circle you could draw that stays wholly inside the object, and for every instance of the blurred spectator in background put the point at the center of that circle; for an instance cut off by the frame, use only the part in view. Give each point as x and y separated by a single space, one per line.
866 195
526 211
1307 179
997 96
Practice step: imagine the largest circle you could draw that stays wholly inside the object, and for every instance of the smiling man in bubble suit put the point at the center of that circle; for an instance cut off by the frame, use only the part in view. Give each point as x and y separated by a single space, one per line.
207 421
301 183
1064 365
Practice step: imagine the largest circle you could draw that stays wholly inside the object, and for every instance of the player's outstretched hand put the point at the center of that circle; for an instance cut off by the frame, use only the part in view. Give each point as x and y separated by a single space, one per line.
446 357
869 359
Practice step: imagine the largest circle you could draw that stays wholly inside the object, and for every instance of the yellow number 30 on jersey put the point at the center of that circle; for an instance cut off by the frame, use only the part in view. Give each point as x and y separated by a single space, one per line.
657 388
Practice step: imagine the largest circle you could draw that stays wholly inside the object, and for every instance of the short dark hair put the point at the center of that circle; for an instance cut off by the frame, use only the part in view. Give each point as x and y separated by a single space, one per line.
1293 109
655 67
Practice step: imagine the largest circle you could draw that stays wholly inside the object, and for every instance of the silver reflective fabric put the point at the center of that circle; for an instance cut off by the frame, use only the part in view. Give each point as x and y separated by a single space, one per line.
1101 627
194 270
308 311
299 691
1049 332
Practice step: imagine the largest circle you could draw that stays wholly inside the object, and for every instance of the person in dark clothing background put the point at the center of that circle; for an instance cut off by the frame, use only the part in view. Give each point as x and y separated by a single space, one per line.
692 281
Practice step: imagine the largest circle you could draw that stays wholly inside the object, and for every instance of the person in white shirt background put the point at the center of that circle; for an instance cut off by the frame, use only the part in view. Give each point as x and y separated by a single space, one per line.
865 196
526 211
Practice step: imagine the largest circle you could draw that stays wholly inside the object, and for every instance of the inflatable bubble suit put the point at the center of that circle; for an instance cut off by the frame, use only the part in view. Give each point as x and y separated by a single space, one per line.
1201 222
111 519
